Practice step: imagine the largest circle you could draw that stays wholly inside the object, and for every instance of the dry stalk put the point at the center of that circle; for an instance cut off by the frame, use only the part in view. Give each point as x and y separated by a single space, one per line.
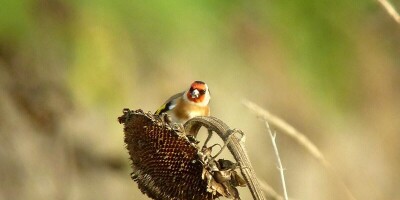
390 10
299 137
278 158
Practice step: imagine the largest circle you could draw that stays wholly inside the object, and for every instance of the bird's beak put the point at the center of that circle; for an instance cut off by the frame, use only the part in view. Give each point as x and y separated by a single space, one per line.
195 94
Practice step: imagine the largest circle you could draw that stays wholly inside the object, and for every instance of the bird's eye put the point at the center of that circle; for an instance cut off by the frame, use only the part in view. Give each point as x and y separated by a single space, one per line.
202 92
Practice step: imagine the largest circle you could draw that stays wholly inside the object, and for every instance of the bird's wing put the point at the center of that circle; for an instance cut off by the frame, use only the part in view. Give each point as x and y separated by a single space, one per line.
169 104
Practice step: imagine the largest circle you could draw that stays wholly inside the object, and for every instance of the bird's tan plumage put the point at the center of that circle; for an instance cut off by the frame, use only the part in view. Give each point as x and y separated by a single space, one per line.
186 111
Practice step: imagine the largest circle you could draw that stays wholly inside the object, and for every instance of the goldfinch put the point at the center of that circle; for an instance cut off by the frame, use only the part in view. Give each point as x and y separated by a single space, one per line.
188 104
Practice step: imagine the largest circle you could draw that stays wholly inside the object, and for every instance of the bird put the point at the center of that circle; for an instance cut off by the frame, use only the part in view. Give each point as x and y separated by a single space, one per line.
188 104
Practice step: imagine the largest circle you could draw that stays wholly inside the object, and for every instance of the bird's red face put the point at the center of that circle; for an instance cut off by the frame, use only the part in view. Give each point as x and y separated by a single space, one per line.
197 92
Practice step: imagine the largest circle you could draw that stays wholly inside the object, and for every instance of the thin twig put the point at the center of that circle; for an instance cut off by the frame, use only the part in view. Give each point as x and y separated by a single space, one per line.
390 10
298 137
278 158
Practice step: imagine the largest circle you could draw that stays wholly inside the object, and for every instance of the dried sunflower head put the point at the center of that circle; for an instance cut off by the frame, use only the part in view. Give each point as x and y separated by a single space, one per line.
164 160
167 164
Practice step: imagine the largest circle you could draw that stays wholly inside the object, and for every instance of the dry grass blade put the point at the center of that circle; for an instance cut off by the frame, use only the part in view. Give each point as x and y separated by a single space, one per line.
390 10
289 130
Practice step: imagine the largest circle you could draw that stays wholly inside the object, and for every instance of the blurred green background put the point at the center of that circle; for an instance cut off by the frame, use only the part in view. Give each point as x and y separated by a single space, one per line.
68 68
